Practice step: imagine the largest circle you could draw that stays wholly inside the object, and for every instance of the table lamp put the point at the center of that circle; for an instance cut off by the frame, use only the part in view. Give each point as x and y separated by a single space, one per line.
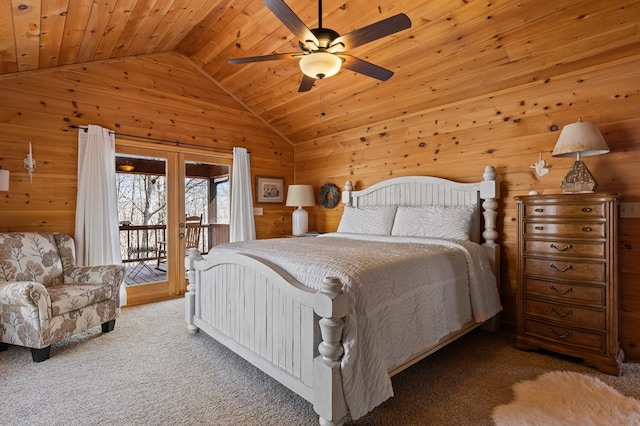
300 196
581 139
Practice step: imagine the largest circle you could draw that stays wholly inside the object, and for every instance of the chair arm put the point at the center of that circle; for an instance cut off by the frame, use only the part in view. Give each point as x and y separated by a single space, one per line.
104 274
25 293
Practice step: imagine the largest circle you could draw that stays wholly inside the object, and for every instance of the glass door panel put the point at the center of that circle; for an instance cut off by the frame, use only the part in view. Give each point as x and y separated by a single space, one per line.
206 196
146 188
141 185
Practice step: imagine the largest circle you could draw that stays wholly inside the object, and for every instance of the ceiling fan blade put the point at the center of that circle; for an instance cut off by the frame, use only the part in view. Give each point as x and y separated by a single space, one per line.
290 20
367 68
273 57
306 83
374 31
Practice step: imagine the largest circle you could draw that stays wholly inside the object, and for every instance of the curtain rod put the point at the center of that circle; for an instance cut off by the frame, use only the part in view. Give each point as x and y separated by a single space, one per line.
164 141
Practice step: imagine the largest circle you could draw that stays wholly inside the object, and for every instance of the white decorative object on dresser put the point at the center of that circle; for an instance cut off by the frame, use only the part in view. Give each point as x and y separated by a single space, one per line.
567 295
333 317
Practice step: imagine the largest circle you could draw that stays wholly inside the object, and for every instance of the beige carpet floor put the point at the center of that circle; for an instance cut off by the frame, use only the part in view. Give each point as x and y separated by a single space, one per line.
151 371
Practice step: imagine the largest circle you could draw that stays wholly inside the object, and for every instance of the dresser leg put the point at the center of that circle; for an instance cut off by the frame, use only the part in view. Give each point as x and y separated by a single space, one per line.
607 365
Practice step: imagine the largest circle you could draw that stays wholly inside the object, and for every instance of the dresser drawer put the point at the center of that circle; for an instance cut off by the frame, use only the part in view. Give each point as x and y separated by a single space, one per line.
575 229
573 336
565 269
560 248
566 292
568 315
587 209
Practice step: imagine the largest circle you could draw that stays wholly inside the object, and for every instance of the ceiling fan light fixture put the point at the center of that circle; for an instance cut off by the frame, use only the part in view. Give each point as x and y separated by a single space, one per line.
320 64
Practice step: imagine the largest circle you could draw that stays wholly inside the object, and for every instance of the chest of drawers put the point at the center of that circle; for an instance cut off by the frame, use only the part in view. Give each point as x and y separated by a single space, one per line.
567 294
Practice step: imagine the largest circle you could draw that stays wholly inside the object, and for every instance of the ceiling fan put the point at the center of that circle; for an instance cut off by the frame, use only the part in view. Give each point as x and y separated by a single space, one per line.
323 50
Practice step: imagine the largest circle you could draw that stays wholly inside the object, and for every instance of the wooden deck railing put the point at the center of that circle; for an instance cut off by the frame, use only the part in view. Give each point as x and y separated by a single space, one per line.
139 243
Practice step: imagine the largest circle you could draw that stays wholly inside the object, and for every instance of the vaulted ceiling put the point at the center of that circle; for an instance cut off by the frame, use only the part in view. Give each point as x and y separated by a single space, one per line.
455 49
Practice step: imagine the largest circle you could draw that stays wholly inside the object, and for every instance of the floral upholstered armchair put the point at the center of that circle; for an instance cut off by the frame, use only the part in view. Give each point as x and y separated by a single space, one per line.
45 298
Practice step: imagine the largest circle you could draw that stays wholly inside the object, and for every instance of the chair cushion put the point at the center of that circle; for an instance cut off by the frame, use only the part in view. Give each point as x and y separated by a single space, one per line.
30 256
69 297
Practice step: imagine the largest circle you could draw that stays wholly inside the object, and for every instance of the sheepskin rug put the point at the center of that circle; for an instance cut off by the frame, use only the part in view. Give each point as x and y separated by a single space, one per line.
567 398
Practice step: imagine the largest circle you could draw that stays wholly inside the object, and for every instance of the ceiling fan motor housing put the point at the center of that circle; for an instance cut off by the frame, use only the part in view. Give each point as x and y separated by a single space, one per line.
325 36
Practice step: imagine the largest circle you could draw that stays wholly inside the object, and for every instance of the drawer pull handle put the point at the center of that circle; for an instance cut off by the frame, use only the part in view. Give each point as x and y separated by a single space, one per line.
560 336
561 314
586 229
565 269
539 228
586 209
565 291
553 246
539 210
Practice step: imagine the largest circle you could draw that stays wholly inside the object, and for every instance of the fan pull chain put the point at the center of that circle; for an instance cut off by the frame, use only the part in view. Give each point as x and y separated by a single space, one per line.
322 113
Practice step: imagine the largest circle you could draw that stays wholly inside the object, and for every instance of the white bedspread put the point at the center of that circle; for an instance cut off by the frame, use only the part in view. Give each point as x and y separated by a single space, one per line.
407 293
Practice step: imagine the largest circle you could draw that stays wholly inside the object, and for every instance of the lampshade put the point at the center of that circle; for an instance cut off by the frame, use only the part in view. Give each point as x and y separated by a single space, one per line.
4 180
320 64
300 196
580 139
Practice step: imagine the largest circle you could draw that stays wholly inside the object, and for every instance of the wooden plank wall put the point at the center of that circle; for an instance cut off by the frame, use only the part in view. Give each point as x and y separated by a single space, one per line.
163 96
510 130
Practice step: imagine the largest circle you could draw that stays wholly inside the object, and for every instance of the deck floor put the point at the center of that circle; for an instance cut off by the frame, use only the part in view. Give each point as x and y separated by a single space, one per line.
143 273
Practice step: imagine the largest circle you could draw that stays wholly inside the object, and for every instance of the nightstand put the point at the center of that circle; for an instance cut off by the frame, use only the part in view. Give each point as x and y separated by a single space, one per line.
567 295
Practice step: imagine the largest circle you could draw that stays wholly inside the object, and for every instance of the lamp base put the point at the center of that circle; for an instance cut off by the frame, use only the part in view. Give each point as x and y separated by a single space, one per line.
579 180
300 222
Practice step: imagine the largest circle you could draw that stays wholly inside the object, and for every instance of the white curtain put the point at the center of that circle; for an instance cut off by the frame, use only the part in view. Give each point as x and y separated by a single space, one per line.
97 233
242 227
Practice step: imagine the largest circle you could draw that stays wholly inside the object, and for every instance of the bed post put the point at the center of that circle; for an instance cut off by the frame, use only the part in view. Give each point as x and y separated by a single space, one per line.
332 305
190 296
489 192
346 193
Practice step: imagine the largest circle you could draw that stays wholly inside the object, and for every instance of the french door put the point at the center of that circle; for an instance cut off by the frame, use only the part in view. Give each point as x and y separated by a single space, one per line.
158 188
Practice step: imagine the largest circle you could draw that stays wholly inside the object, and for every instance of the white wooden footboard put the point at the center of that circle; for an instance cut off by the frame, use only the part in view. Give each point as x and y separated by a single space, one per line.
261 313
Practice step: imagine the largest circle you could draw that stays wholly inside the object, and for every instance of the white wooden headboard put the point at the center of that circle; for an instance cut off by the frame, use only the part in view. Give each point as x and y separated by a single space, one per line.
429 191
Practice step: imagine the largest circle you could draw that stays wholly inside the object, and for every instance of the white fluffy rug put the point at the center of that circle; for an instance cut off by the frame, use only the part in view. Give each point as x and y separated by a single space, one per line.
566 398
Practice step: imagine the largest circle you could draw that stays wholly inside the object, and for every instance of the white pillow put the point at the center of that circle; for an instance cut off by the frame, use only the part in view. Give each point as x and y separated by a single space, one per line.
372 220
434 221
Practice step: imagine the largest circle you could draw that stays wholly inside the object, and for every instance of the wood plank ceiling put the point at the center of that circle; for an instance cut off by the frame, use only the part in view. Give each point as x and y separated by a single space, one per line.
455 49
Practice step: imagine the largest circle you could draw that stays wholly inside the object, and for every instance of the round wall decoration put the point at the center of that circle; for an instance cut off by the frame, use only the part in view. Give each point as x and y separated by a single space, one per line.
329 195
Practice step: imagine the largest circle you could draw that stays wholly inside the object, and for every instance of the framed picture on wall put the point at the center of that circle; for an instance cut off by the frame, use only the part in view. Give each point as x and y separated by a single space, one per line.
269 189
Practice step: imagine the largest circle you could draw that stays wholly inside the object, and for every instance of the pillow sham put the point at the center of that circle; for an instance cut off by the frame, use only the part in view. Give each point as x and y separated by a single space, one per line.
372 220
434 221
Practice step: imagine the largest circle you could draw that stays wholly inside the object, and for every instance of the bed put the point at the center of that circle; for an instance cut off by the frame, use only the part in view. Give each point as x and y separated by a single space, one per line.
328 316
